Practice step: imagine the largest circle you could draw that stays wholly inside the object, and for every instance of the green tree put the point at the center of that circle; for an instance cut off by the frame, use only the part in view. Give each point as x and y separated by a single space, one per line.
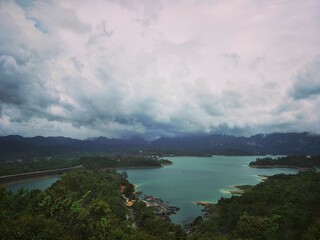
257 228
313 232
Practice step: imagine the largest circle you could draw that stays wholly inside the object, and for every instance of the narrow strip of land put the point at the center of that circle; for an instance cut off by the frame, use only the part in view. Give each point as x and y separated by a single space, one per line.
23 176
302 163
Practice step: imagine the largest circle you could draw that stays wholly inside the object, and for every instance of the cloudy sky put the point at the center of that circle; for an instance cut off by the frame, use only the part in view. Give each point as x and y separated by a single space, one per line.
83 68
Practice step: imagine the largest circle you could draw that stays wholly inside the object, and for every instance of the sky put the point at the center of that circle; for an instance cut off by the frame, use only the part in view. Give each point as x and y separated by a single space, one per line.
153 68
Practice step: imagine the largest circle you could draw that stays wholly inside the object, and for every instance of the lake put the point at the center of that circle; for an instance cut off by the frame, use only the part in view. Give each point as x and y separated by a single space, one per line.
38 183
189 179
192 179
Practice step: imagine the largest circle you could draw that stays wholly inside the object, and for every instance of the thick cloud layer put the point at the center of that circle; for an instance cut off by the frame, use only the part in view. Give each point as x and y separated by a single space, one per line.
154 68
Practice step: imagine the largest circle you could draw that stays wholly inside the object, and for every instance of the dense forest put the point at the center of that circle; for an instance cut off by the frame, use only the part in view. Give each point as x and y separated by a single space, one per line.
288 161
90 162
89 205
15 147
121 162
32 166
284 207
82 205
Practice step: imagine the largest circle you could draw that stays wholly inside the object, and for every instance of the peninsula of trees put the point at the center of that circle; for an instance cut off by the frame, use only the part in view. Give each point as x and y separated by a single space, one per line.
302 162
284 207
90 162
82 205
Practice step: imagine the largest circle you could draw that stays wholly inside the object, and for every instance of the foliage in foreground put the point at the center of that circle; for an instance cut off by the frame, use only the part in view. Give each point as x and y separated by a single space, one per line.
89 205
82 205
284 207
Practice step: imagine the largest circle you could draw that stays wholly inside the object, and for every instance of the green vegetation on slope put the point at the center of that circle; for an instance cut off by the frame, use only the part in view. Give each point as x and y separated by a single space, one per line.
288 161
120 162
284 207
89 205
32 166
89 162
82 205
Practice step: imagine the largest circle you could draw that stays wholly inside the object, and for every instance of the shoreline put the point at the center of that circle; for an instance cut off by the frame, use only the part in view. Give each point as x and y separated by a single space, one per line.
236 191
263 178
203 204
8 180
281 166
137 167
13 182
22 177
240 189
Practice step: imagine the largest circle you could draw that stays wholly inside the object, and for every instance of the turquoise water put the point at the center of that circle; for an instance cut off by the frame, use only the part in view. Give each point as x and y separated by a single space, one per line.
192 179
41 183
189 179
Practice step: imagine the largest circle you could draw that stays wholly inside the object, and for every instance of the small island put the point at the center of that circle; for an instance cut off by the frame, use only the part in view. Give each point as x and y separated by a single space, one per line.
299 162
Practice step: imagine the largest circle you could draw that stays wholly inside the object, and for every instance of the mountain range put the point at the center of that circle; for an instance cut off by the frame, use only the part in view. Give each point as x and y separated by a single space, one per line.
275 143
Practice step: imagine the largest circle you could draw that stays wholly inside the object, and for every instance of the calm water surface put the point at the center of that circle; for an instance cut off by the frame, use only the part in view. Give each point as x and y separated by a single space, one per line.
41 183
192 179
189 179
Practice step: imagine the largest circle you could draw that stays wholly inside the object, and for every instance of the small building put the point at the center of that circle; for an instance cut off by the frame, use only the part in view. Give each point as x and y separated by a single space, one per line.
130 203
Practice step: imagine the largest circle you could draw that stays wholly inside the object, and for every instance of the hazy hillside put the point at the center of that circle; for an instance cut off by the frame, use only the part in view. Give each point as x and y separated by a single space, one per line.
277 143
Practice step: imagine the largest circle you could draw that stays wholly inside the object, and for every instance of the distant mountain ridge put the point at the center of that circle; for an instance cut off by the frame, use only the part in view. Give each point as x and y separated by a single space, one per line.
275 143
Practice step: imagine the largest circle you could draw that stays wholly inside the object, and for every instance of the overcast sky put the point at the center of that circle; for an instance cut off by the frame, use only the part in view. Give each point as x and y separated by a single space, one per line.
159 68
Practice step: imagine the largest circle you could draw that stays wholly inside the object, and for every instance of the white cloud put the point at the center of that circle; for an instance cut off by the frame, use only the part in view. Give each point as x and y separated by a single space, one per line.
307 82
86 68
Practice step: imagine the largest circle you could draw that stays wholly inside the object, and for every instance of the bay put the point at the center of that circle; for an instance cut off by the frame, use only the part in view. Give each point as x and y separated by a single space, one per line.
37 183
192 179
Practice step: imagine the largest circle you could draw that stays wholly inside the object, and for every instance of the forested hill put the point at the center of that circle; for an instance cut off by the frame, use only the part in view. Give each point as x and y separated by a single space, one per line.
288 161
82 205
277 143
91 205
285 207
92 162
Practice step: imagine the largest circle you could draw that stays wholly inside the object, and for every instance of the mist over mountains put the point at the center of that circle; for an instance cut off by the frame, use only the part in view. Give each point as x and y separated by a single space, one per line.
276 143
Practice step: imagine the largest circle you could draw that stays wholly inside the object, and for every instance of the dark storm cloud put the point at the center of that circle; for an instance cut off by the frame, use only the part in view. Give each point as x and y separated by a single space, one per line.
22 91
307 82
121 68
